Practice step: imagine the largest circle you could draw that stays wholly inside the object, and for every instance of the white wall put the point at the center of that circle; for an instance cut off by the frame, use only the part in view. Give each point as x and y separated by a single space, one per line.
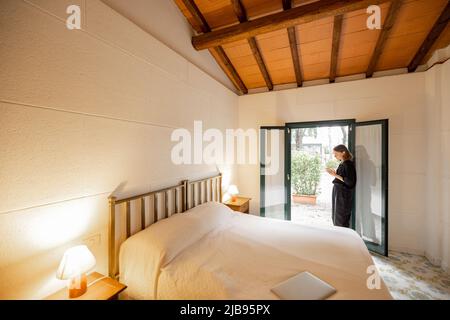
164 20
401 99
437 242
85 113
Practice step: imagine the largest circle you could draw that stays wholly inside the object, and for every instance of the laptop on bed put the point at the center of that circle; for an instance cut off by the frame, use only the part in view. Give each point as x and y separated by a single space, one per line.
303 286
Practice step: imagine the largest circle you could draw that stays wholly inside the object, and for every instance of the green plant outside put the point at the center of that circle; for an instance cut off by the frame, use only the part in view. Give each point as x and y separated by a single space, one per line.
305 173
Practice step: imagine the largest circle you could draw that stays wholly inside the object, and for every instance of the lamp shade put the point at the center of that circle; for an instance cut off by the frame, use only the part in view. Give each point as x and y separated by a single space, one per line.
76 261
233 190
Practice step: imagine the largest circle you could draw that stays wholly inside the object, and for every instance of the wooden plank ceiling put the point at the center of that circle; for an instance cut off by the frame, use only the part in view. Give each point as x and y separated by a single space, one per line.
262 43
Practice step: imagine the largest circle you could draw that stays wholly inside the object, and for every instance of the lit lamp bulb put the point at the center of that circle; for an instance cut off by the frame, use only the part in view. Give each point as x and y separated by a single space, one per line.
233 192
73 267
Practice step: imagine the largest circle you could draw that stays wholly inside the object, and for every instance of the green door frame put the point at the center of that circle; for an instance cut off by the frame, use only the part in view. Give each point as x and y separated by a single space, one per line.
262 177
383 248
313 124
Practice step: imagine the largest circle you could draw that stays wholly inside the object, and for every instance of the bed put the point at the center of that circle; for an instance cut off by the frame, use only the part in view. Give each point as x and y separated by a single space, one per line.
200 249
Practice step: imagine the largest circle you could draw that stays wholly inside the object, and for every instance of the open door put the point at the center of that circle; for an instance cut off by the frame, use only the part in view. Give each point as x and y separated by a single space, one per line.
371 194
368 141
273 194
308 151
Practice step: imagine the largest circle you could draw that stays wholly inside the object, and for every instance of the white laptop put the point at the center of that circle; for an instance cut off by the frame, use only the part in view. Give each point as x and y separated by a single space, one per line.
303 286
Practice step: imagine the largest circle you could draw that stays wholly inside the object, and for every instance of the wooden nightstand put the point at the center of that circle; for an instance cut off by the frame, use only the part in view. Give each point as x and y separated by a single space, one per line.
241 204
104 289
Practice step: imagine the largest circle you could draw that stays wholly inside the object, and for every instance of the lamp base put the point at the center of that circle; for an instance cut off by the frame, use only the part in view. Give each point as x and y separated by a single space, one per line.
77 286
233 198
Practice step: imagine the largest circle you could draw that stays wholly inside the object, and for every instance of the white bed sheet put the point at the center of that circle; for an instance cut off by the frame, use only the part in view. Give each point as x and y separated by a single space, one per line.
212 252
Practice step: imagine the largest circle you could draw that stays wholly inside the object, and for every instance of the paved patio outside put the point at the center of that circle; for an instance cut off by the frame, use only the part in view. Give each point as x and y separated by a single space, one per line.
319 214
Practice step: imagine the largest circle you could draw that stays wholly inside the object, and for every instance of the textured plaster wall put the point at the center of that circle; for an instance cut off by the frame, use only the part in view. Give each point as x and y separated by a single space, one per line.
84 113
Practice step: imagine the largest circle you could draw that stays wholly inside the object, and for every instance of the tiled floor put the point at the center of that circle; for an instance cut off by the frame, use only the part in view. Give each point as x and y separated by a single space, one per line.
412 277
319 214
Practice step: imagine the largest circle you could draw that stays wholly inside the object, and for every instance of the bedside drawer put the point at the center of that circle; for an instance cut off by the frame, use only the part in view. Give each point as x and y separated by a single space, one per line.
244 208
241 204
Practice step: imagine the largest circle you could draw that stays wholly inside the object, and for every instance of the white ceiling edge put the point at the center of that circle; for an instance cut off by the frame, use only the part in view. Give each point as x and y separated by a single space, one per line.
438 56
163 20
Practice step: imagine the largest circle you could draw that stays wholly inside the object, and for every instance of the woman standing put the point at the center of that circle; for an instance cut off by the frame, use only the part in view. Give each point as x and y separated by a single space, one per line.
344 184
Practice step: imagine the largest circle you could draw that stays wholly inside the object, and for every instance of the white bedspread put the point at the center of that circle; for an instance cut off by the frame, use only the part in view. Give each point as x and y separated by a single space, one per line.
211 252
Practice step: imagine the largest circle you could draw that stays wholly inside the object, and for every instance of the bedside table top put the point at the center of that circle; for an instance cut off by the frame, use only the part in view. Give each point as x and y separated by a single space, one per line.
239 201
104 289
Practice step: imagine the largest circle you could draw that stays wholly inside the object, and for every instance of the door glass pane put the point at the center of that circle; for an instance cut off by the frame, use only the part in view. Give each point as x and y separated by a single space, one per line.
273 194
370 213
311 186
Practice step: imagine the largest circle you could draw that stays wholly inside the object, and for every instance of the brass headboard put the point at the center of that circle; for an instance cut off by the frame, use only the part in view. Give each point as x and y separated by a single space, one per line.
138 212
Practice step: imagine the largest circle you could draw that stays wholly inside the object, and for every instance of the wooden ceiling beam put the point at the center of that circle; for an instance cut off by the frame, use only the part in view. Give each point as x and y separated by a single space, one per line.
281 20
435 32
239 10
337 31
197 15
384 35
259 59
295 55
224 62
229 69
287 4
242 16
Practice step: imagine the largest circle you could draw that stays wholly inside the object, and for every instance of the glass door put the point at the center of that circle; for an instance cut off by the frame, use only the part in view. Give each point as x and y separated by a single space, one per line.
371 193
368 141
272 173
309 151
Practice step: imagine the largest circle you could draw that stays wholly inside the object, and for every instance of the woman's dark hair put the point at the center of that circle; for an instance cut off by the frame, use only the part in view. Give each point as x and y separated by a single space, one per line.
342 148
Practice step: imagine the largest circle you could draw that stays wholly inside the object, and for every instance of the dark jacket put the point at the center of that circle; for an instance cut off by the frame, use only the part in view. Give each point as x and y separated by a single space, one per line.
347 171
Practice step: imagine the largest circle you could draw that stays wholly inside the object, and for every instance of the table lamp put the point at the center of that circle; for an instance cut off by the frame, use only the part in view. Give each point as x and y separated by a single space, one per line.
73 267
233 191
